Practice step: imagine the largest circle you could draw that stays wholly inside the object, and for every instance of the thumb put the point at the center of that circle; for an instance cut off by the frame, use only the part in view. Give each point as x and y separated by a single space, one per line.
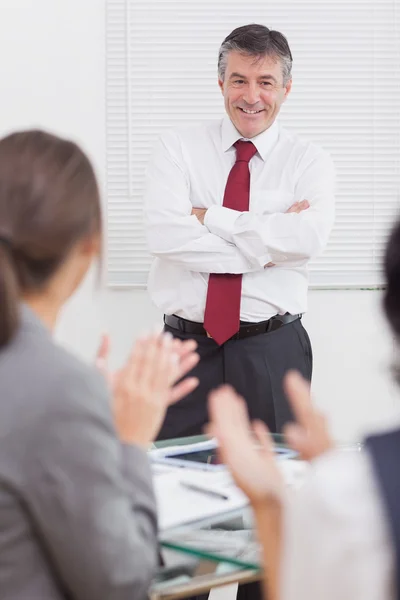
297 439
103 350
102 357
263 436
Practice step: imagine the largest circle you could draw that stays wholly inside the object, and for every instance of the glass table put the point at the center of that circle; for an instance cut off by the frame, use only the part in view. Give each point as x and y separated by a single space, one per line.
184 575
201 556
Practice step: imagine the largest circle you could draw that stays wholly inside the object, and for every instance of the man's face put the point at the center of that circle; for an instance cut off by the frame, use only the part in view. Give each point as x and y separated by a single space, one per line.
253 91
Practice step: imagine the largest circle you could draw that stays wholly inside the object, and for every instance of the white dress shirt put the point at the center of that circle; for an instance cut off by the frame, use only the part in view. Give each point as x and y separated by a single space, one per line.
189 169
336 543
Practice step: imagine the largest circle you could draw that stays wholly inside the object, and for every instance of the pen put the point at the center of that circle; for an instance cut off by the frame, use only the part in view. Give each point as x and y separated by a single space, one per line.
203 490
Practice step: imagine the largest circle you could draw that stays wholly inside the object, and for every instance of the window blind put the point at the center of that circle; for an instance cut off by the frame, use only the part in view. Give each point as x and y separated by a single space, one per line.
161 61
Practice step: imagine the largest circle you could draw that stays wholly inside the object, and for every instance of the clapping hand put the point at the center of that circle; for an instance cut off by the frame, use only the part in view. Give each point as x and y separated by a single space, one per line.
254 468
148 383
246 448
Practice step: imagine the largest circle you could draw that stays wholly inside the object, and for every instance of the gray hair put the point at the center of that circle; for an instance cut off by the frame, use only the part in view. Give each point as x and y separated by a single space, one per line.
258 41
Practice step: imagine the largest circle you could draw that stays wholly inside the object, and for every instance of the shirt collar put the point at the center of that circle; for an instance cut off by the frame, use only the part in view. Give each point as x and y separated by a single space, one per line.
263 142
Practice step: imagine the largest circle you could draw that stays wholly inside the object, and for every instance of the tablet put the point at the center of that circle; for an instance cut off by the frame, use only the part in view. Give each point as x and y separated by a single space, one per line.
203 455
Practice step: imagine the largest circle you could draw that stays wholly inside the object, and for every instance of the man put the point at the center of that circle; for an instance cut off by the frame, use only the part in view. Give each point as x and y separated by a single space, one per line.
235 209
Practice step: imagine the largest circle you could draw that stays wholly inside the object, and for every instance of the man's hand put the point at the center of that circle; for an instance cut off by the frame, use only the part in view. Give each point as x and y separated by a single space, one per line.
199 213
297 207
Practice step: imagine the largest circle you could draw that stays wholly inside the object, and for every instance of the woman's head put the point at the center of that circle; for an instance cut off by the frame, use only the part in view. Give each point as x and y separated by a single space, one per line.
49 211
391 300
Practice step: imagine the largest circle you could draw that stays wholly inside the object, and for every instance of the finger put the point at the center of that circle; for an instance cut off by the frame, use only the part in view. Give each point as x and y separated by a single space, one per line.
303 205
298 440
263 436
219 401
104 346
134 361
183 389
155 356
186 365
183 347
103 352
117 398
228 412
165 367
298 391
293 208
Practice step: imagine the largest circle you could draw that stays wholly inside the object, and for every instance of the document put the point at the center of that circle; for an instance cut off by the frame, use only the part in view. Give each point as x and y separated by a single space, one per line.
185 496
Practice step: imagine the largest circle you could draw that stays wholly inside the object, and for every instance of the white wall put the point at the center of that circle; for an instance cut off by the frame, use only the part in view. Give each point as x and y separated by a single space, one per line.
52 75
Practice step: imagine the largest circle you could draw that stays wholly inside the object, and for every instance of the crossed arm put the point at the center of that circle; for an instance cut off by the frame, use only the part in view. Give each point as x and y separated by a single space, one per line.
173 233
297 208
221 240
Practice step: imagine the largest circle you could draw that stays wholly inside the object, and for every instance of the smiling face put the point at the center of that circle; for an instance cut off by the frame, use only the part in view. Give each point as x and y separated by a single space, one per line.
253 91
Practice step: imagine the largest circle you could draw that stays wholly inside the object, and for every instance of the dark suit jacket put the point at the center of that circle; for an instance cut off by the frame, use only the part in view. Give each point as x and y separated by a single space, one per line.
77 511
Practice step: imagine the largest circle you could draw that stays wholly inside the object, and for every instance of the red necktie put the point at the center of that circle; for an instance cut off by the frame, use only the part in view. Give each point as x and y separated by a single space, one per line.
222 313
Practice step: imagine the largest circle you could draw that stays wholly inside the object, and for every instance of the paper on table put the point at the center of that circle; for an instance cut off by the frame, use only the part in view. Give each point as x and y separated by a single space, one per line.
178 505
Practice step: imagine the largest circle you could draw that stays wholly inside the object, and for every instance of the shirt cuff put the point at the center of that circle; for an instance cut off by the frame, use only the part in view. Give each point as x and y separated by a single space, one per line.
221 221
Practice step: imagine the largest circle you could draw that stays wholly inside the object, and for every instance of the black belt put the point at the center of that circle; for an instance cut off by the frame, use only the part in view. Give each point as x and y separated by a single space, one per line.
245 330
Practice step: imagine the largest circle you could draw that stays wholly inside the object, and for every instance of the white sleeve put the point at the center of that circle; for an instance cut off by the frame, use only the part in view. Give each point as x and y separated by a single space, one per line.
335 543
174 234
281 238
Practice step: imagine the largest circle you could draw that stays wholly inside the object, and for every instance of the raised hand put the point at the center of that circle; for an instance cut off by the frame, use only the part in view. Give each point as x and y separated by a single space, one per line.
248 451
145 387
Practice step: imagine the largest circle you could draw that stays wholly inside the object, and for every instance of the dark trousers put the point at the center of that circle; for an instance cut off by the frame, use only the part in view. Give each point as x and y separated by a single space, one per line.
255 367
